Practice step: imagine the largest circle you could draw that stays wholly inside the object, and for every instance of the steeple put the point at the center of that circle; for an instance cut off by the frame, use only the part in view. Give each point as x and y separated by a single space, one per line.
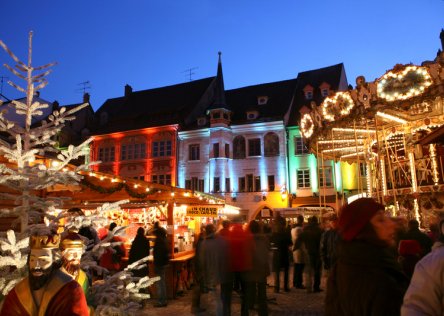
220 112
219 88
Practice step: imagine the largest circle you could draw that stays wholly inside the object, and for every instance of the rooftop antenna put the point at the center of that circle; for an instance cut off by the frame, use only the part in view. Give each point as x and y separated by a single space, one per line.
86 86
1 83
190 72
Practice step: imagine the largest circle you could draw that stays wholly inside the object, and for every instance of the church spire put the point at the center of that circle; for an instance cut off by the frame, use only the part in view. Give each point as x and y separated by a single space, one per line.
220 112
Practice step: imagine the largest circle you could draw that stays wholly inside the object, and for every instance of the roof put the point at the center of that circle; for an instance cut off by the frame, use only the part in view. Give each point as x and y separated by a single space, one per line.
10 111
437 136
333 75
152 107
245 99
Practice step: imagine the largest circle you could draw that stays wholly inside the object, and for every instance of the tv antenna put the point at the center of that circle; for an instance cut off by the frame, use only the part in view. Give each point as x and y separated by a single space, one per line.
190 72
86 86
1 83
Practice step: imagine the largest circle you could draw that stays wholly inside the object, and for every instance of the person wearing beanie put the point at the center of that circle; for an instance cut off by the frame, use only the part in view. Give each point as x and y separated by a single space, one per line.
425 293
367 279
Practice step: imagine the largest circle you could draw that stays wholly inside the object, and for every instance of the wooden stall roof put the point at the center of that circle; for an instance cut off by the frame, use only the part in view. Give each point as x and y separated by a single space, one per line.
97 188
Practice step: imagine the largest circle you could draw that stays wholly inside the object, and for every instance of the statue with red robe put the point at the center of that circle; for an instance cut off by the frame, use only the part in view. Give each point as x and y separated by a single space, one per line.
47 290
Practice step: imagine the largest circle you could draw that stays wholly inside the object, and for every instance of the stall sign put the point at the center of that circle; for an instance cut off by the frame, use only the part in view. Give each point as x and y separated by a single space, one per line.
203 210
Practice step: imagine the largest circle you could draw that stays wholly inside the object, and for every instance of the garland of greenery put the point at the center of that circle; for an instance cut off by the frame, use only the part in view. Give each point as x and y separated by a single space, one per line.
116 188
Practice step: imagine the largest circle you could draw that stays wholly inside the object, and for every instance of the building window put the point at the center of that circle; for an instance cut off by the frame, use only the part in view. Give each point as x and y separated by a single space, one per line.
271 145
227 150
324 92
201 185
241 184
227 185
188 184
216 184
254 147
325 177
162 148
132 151
303 177
161 179
257 184
106 154
194 152
250 184
216 150
239 147
271 185
194 184
299 146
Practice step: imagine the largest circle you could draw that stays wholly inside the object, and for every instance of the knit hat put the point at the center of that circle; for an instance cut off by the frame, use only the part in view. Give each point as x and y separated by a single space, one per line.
356 215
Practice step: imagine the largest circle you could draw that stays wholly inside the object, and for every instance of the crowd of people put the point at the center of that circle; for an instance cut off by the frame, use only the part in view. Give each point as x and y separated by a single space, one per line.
367 262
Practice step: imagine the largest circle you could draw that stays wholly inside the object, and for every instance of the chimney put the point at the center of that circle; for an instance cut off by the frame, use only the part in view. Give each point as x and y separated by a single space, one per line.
55 105
128 90
86 97
37 94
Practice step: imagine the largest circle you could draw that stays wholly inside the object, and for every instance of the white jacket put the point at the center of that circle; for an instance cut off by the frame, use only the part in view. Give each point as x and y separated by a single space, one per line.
425 295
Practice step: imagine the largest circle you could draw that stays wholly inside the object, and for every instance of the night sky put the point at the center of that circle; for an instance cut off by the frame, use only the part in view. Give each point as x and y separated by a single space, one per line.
149 44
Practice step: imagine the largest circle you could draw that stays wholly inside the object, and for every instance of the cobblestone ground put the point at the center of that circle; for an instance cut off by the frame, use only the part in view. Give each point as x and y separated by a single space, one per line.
294 303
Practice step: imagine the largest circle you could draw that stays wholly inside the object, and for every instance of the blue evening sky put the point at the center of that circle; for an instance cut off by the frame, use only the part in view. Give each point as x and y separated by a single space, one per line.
151 43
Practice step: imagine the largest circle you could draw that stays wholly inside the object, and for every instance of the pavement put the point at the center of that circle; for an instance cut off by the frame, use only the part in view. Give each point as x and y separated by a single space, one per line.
297 302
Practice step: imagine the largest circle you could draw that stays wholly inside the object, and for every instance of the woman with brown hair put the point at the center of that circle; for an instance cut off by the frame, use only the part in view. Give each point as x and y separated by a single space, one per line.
367 279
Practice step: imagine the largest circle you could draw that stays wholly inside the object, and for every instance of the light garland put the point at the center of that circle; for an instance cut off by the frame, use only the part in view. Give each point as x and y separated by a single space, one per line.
352 130
405 84
391 117
343 149
341 141
341 101
384 183
307 125
432 149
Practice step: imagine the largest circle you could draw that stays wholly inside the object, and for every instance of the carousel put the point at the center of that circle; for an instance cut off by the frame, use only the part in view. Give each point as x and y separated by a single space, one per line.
380 127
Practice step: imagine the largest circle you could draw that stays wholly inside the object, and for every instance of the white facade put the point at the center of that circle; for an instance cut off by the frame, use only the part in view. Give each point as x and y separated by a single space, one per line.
251 183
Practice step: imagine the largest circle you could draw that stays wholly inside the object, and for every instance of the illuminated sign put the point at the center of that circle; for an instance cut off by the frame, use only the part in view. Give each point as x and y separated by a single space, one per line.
203 210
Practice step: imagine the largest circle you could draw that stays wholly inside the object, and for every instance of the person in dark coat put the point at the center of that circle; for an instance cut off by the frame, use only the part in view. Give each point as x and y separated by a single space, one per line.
281 242
257 290
140 248
310 240
366 280
161 259
413 233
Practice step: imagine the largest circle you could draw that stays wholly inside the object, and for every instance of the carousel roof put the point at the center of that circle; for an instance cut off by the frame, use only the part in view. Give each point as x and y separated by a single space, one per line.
386 115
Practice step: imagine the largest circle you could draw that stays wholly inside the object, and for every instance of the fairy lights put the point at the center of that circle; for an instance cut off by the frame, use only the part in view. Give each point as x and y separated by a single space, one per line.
391 117
307 126
336 106
432 149
343 149
353 130
405 84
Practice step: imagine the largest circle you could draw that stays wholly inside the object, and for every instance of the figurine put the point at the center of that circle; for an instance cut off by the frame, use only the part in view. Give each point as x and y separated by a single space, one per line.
47 290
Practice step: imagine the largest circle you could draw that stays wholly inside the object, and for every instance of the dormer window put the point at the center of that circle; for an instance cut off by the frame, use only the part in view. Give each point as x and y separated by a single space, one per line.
308 92
325 89
251 115
201 121
262 100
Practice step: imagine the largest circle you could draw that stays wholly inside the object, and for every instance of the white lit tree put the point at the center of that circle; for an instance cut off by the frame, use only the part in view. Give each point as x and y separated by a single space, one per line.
27 148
